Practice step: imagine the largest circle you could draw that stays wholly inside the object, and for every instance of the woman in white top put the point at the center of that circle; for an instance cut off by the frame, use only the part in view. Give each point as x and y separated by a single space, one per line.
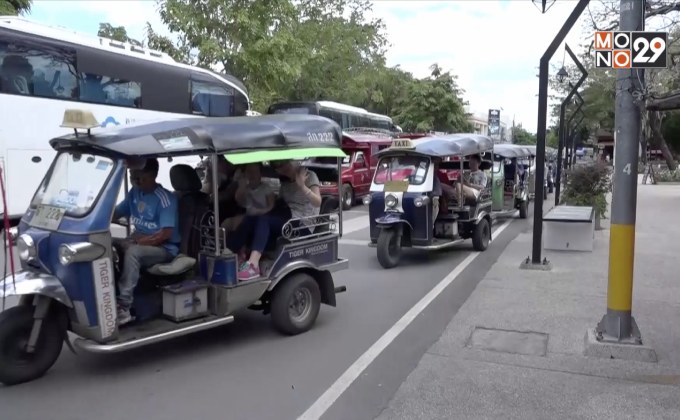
300 192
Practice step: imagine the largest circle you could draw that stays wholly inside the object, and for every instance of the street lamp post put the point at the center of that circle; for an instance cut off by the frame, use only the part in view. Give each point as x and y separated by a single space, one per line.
536 247
562 130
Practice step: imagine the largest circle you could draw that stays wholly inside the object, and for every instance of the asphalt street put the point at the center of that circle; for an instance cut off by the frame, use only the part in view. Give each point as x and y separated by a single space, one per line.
248 371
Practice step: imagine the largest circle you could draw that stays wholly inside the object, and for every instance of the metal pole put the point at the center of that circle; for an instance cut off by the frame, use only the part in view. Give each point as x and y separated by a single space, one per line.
618 324
216 202
562 139
536 246
574 134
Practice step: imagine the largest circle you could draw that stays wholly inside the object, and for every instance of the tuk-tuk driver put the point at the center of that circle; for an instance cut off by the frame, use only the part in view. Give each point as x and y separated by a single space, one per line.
152 211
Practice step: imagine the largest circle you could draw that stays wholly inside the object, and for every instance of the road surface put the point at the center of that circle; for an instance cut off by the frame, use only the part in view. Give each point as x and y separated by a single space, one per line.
248 371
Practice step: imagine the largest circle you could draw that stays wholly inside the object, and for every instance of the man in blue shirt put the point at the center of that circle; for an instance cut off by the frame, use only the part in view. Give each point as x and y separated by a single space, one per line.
152 211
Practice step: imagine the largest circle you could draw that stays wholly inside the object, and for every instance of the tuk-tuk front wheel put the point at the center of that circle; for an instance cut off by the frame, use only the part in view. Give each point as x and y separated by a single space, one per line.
481 235
295 304
17 365
389 247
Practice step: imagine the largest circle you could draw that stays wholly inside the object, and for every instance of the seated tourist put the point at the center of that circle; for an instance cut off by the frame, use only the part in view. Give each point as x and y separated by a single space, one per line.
474 180
299 192
227 178
254 195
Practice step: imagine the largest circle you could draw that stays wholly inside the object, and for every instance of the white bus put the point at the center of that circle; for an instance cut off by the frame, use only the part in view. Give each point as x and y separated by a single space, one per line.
346 116
45 70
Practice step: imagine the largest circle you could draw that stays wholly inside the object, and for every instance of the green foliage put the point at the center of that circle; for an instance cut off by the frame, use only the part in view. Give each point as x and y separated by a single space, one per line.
552 138
670 127
666 175
522 136
15 7
433 104
117 33
588 185
309 50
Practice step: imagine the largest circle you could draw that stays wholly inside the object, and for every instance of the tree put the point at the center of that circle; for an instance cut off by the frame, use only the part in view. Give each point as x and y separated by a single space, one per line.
117 33
522 136
433 104
657 81
15 7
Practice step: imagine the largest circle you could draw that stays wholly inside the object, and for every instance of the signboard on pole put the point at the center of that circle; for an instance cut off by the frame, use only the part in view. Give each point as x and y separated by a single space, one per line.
494 124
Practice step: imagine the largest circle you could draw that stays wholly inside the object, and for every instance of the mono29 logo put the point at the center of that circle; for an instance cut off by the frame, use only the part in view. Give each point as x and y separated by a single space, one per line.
625 50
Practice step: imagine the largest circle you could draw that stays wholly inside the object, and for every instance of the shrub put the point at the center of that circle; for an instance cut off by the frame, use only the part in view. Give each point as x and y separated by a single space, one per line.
588 185
666 175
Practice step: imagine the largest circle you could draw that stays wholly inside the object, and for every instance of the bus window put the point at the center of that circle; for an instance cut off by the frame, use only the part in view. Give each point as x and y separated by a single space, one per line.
110 91
331 114
211 100
43 70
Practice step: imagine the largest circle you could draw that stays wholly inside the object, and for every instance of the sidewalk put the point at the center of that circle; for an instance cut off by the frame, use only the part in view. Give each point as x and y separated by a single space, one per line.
537 369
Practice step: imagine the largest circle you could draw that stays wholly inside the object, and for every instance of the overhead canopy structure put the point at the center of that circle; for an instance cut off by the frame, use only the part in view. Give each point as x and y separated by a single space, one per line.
668 102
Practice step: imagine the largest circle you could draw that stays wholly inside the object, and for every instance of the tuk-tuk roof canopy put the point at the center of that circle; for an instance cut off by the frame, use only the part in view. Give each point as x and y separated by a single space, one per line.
192 136
505 150
459 144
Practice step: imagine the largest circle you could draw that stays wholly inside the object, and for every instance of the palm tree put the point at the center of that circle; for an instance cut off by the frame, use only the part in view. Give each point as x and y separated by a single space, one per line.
15 7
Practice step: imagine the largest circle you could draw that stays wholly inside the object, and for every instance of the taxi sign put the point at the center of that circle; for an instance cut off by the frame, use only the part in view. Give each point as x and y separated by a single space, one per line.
79 119
402 144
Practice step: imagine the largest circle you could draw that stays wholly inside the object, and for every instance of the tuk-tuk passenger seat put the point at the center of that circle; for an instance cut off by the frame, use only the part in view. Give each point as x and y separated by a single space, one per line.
192 204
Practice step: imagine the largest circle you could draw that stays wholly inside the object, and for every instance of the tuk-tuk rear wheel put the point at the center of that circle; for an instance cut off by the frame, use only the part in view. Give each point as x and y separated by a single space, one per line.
16 364
481 236
295 304
523 209
389 247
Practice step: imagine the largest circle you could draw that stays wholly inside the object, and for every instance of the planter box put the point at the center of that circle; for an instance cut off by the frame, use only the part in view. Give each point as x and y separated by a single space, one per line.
569 228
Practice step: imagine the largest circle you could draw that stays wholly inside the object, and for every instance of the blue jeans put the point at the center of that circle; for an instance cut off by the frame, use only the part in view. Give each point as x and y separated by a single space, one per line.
260 228
138 257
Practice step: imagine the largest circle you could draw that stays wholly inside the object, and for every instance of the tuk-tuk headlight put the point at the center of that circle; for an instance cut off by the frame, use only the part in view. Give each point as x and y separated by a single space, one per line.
421 201
12 236
391 201
79 252
26 248
367 199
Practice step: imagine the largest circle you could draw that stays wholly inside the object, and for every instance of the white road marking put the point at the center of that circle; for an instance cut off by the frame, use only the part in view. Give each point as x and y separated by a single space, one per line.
326 400
359 242
354 224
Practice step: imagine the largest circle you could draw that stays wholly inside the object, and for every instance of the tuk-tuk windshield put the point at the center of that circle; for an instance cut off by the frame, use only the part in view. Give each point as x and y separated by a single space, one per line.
402 168
74 182
346 159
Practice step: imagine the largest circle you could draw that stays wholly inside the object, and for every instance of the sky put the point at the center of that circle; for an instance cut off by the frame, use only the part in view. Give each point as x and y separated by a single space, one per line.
493 46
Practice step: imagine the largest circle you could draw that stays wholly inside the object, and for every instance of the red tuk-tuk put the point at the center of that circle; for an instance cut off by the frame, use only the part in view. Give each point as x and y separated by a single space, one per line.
360 145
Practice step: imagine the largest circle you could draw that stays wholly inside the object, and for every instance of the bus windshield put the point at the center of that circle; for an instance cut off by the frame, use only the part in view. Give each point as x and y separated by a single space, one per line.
74 183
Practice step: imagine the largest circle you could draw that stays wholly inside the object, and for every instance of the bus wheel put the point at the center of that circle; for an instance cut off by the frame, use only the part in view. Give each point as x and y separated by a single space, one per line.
347 197
16 364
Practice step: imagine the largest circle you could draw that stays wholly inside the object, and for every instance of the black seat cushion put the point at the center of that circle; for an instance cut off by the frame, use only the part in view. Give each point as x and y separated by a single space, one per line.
193 204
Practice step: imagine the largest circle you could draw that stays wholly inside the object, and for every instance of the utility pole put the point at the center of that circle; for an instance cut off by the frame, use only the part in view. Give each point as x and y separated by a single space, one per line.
618 325
512 135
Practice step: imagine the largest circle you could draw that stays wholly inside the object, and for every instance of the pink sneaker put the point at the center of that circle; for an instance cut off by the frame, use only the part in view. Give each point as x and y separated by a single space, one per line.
248 271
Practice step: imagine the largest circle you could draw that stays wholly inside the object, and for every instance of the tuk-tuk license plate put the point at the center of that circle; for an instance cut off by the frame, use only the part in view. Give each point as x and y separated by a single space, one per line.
47 217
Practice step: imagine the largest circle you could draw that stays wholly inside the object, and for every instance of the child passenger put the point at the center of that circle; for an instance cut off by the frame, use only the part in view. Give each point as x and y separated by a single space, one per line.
254 195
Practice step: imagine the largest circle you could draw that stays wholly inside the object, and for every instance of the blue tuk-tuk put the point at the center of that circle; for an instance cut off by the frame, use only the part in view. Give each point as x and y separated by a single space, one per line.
403 210
69 264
